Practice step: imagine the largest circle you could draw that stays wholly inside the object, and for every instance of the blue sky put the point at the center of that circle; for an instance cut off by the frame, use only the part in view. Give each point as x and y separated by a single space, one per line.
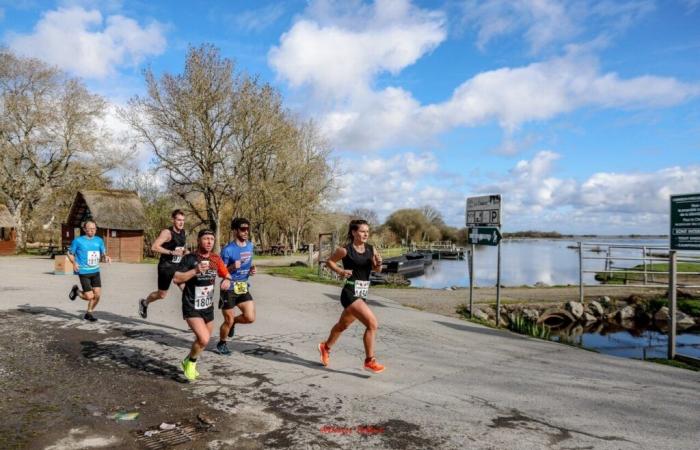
584 114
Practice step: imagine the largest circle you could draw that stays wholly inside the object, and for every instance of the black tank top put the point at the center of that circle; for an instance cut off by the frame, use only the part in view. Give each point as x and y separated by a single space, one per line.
359 263
176 240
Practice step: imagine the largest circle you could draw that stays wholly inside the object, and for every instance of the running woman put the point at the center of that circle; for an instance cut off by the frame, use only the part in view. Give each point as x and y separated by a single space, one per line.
238 257
85 253
170 243
359 260
198 272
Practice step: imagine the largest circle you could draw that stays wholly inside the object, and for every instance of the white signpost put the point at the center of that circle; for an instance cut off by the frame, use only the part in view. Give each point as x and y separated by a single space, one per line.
483 220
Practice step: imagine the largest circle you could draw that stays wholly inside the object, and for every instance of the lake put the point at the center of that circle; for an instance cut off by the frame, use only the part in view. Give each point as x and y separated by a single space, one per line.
526 262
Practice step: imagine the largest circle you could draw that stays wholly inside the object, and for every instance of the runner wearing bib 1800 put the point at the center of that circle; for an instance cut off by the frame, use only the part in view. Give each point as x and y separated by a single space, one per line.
238 257
359 260
170 243
85 253
198 272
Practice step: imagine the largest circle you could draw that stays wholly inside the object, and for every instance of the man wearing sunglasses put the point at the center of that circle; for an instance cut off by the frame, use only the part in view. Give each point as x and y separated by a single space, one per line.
238 257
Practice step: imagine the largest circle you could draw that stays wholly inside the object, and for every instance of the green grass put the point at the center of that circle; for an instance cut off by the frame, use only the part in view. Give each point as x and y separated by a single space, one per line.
300 274
673 363
660 273
690 306
391 252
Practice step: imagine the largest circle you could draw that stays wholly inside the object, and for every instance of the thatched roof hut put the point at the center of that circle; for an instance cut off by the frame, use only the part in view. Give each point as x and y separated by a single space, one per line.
119 217
115 210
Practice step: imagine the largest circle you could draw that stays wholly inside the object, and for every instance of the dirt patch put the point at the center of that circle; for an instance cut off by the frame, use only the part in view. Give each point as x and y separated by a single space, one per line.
55 394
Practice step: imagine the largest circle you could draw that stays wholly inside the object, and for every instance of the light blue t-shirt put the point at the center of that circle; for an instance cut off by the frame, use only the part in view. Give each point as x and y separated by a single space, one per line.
232 253
87 253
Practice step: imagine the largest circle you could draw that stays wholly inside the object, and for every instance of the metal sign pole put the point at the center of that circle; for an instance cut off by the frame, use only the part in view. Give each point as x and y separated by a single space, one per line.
580 272
498 286
471 282
672 258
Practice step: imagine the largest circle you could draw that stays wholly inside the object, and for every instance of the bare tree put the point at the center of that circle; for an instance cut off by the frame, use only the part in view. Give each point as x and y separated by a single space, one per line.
367 214
48 123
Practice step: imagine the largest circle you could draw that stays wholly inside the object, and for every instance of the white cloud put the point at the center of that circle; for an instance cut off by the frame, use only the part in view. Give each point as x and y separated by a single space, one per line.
510 96
339 55
83 42
545 23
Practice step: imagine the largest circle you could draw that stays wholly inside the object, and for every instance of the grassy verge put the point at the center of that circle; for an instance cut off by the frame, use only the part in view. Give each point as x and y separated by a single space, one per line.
674 363
656 272
299 274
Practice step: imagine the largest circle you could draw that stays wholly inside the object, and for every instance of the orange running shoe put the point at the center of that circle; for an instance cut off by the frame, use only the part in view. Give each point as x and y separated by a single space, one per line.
372 365
325 353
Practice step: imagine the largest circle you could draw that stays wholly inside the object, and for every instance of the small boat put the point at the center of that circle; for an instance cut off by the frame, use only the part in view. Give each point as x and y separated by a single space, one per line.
404 266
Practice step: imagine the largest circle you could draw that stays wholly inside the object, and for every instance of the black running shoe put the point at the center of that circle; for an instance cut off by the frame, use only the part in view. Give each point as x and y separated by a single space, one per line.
73 292
232 331
222 348
88 316
143 308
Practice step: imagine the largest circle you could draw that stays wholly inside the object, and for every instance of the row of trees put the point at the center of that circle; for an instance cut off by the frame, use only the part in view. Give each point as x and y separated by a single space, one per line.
223 143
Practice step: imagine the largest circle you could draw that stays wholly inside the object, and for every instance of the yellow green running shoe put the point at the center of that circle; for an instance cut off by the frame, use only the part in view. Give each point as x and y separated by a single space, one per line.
190 369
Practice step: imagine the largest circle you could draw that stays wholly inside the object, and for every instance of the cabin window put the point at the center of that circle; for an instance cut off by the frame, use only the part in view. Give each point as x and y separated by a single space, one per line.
5 234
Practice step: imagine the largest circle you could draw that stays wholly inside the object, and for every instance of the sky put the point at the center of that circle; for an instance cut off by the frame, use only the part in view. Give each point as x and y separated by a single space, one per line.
584 115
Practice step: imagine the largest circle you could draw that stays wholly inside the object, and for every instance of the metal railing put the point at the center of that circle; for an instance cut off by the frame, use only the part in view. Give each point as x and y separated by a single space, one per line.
618 265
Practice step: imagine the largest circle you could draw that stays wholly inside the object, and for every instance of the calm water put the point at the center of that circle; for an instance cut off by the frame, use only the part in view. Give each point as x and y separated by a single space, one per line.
637 344
526 262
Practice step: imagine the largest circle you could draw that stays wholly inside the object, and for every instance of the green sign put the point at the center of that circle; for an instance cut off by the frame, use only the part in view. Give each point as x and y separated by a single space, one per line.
685 222
484 236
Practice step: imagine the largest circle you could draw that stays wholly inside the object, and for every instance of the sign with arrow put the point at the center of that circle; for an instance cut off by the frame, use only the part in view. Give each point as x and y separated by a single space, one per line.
484 236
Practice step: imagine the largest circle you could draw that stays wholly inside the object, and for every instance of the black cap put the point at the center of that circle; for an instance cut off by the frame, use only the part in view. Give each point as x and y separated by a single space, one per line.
204 232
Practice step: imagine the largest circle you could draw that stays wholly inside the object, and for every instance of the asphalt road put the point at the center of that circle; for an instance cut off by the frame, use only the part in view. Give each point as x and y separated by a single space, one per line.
448 383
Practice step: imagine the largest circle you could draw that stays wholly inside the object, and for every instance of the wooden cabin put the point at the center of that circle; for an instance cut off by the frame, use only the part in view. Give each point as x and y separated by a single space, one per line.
120 222
8 232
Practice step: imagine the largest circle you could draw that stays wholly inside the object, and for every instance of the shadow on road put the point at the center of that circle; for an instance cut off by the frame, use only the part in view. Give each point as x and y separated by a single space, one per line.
480 330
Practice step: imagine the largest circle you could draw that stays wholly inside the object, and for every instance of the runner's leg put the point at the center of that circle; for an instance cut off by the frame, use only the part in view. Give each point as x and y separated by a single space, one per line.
361 312
228 323
247 312
345 320
202 332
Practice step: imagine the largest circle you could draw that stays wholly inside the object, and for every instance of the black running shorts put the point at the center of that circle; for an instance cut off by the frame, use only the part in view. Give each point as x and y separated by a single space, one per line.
188 312
166 272
90 281
347 296
229 299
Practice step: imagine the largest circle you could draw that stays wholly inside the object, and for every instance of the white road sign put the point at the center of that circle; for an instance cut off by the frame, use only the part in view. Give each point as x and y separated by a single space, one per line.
484 210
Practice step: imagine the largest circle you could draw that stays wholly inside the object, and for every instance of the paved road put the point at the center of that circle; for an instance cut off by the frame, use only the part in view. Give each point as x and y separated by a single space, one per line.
448 383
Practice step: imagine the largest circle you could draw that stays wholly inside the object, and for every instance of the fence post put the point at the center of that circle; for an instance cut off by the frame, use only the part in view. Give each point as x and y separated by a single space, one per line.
580 272
644 257
311 255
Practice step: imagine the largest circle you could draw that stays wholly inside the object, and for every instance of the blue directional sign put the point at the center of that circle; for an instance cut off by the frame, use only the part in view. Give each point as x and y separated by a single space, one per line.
484 236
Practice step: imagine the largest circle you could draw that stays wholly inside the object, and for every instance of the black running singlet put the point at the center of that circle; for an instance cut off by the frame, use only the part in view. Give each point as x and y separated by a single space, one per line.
359 263
177 240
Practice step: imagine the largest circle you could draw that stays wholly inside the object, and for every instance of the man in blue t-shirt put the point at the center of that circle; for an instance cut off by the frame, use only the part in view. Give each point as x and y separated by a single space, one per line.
238 257
85 253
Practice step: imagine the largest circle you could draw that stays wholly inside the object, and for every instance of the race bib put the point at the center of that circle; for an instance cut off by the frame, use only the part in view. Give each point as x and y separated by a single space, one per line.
240 287
203 297
176 258
361 288
93 258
